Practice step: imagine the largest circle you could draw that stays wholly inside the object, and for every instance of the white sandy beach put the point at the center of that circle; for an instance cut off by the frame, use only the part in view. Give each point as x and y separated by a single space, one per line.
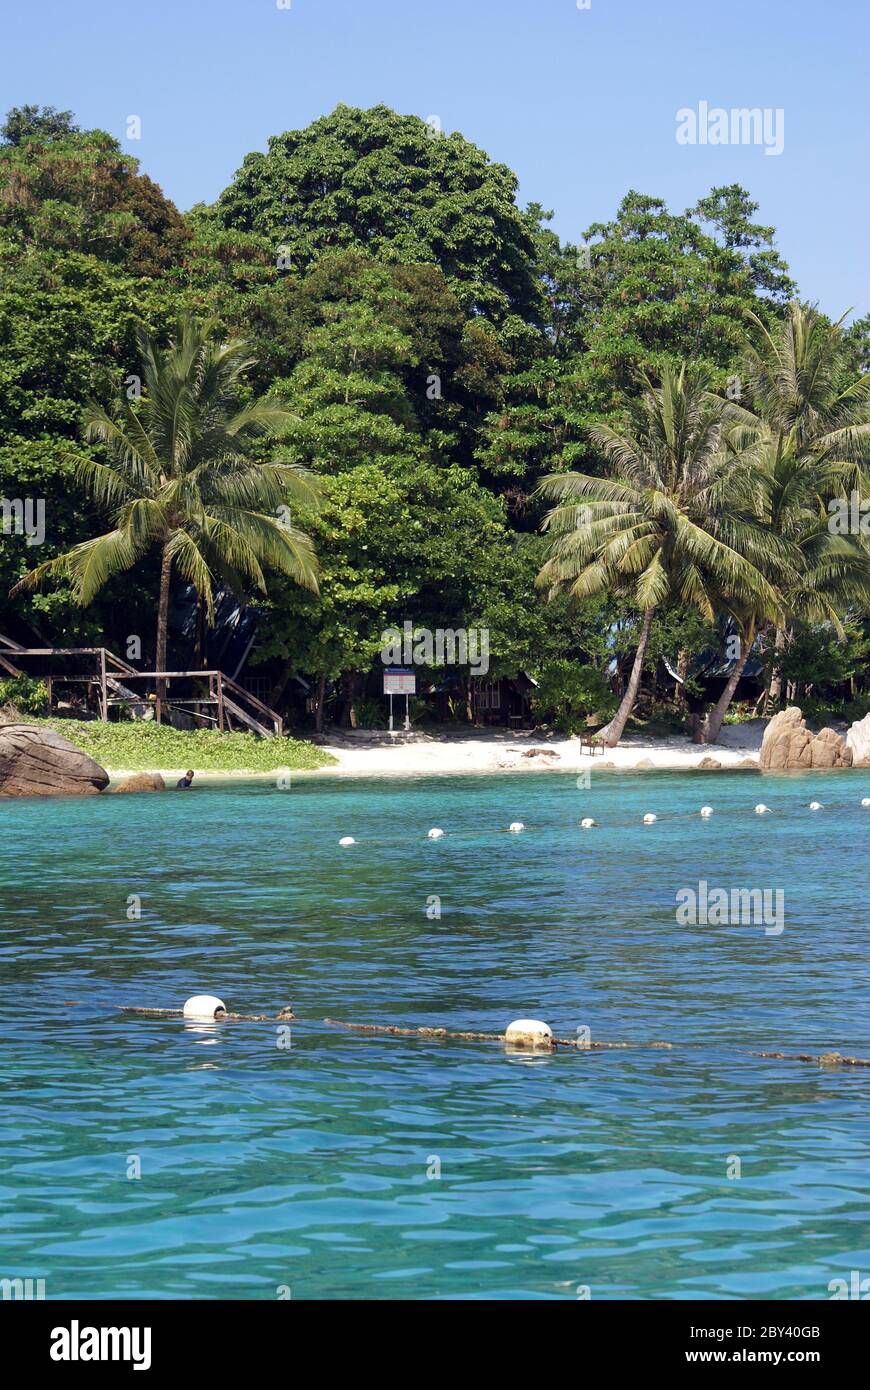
485 752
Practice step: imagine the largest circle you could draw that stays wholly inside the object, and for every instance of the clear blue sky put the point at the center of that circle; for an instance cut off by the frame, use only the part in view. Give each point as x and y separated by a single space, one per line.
580 103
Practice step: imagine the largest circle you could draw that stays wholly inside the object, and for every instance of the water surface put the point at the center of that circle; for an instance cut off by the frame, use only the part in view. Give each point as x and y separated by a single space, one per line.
314 1169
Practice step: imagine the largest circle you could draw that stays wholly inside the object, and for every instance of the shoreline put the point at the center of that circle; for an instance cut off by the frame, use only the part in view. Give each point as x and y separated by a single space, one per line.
493 754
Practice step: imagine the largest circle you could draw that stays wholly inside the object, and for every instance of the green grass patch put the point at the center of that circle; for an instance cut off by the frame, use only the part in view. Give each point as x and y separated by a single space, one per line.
147 747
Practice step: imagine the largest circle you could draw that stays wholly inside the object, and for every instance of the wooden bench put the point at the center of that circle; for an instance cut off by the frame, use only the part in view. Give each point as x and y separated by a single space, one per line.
592 742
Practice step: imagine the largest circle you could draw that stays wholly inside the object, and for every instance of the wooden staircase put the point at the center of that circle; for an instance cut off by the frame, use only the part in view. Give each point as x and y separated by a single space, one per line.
234 704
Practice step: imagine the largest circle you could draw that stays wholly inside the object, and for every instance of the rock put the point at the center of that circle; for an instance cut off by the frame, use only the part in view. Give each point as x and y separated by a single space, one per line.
858 740
541 753
788 743
645 764
36 761
606 767
748 762
142 782
828 749
709 763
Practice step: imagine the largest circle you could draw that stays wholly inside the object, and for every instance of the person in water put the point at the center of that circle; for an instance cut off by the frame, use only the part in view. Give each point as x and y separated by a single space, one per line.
186 780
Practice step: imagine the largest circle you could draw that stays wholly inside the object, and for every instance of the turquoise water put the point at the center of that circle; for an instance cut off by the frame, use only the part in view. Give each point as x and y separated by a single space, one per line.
312 1169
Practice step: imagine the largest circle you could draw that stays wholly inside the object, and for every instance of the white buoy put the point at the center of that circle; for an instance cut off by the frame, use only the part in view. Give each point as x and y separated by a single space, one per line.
706 811
761 809
516 826
588 823
816 806
347 840
865 800
529 1032
649 818
204 1006
435 833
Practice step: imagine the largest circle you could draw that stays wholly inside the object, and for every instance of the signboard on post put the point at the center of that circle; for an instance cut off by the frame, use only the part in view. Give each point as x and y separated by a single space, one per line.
399 680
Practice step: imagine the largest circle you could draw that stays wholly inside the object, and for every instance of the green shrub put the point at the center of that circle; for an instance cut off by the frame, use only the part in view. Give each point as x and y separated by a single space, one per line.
370 714
568 693
147 747
25 694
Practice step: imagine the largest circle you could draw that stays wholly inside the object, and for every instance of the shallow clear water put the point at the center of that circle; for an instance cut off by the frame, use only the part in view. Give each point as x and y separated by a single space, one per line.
313 1168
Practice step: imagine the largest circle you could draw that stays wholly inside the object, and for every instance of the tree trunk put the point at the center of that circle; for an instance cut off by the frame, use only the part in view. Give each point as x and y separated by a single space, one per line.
774 689
612 732
162 628
281 682
682 672
717 714
318 718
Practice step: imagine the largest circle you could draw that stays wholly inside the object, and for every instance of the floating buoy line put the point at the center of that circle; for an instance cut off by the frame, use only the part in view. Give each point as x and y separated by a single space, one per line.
523 1035
587 823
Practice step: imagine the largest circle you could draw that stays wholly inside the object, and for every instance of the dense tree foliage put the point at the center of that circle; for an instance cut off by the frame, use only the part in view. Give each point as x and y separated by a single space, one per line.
439 351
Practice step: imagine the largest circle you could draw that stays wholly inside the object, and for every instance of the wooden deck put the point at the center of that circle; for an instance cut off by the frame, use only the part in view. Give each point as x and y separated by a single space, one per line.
233 705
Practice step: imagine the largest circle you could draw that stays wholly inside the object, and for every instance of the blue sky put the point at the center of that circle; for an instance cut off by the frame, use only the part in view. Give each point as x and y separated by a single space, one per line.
580 103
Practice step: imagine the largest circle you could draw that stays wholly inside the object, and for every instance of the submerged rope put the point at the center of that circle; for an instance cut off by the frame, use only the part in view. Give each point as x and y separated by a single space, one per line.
547 1045
286 1015
827 1059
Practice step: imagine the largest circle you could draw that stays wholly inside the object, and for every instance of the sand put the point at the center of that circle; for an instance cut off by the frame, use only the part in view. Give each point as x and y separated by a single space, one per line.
487 751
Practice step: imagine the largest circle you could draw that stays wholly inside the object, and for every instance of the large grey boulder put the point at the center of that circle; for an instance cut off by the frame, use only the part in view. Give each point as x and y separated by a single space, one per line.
35 761
789 744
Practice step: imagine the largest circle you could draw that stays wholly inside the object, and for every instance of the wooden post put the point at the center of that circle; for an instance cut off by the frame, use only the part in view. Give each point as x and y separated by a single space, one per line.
220 686
104 693
50 684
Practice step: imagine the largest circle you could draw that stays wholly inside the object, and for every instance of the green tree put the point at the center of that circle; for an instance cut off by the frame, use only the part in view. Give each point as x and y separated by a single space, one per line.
42 122
666 528
77 191
804 432
179 476
399 189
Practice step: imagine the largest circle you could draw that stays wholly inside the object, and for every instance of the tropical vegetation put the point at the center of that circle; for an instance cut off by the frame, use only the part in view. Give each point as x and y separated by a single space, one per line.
366 387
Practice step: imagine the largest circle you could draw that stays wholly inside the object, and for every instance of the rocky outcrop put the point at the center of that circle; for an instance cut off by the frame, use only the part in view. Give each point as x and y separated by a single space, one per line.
709 764
36 761
789 744
142 782
858 742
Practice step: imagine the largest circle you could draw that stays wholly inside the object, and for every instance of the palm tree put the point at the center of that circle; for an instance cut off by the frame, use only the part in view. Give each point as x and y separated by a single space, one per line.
668 527
807 440
178 475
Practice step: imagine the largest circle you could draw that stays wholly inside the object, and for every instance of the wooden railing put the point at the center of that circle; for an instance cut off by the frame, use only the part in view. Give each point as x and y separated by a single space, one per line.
231 700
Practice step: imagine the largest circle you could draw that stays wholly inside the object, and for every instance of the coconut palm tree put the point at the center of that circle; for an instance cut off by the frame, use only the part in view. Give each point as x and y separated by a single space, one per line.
669 526
178 476
807 441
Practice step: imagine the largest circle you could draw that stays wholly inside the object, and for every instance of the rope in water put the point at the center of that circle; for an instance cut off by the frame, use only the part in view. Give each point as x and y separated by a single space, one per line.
285 1015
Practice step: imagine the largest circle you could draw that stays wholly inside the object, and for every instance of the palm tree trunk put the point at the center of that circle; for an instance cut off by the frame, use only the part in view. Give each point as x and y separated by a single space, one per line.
774 689
612 732
162 628
717 714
